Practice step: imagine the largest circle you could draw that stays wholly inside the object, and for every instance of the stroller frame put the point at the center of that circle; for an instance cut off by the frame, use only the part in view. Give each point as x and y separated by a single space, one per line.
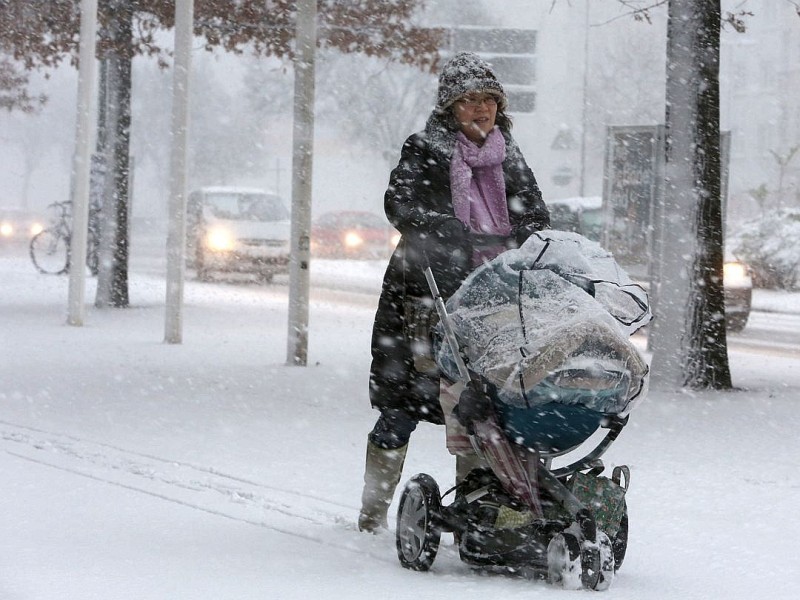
569 549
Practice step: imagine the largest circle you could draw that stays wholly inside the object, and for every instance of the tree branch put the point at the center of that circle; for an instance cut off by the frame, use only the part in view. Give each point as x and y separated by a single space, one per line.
638 9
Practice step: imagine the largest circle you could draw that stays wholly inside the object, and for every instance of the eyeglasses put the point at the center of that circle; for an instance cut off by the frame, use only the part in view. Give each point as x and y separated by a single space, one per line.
476 101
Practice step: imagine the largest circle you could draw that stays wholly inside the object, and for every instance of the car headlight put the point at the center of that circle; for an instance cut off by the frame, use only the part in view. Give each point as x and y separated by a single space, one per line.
352 239
395 239
219 240
6 229
37 228
735 275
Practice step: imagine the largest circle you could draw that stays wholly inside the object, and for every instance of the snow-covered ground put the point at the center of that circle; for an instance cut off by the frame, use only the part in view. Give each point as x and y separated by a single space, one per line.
134 469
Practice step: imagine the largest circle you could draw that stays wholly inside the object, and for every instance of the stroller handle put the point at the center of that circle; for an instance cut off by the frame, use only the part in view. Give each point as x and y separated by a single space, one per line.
449 334
614 424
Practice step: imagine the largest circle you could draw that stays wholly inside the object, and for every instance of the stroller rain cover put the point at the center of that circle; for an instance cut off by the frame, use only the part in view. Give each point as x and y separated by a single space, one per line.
557 310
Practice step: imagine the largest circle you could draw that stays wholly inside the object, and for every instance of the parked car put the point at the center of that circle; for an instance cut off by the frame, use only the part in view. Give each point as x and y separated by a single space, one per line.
237 230
582 215
585 216
352 234
18 225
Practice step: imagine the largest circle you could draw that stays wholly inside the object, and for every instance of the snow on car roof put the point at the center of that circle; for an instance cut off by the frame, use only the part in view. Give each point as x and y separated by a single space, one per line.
234 189
579 202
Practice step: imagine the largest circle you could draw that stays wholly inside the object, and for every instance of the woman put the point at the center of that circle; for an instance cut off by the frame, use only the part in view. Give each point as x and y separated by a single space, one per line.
458 182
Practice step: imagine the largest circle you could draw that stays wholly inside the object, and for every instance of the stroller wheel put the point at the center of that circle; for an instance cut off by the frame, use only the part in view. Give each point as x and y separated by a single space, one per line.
564 561
590 566
620 541
418 531
605 575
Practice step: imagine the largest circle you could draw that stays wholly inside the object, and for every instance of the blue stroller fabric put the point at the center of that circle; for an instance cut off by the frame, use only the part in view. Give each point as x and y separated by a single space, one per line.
547 325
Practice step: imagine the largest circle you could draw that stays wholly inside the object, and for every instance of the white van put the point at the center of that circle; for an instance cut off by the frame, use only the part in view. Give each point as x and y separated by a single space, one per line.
237 230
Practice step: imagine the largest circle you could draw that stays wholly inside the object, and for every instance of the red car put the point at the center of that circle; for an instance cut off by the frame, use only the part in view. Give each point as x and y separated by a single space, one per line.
352 234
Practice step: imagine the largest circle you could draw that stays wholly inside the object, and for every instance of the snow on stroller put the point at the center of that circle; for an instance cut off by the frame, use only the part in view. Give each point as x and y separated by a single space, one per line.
541 332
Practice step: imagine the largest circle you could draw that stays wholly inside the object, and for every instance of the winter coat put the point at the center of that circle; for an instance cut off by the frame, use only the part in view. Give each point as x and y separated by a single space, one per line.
418 203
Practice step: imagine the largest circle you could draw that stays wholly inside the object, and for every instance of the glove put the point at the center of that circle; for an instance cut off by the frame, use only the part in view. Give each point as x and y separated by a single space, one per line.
452 233
474 405
524 232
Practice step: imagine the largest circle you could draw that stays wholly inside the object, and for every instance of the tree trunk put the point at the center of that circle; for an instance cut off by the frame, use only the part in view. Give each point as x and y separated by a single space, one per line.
689 340
112 283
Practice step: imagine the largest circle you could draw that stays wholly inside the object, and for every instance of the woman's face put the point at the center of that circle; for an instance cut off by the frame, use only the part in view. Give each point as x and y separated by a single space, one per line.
476 113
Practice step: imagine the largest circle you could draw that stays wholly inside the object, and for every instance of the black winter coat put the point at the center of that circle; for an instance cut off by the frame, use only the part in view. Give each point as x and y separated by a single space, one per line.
418 202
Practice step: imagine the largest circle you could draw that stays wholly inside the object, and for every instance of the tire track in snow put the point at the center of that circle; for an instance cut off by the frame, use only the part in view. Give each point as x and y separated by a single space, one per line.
151 493
198 487
66 443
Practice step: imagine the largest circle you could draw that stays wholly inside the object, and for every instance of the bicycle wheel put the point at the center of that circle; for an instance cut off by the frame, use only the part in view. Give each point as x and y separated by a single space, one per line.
50 252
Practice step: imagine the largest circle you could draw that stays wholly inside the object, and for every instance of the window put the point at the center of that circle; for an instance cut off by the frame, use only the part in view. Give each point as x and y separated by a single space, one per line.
246 206
512 54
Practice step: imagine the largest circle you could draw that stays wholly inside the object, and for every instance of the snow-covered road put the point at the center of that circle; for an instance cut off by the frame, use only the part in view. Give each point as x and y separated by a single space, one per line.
133 469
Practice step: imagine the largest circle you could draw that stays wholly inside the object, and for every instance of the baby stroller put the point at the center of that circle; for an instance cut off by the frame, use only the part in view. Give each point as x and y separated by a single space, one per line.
540 336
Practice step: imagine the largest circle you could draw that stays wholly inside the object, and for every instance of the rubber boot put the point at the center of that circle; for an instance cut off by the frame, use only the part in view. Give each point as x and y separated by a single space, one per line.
381 476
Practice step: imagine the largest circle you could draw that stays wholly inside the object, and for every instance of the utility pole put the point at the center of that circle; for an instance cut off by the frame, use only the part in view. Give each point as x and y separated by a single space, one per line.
585 114
302 162
81 162
176 234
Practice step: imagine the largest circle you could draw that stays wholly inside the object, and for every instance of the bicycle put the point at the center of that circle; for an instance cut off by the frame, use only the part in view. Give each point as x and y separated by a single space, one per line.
50 248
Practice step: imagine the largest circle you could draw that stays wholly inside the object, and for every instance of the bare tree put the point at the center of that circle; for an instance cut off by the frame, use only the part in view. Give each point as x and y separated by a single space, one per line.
783 161
14 88
383 102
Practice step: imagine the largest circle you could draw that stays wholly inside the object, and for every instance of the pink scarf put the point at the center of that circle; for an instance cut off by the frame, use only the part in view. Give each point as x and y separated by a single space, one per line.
477 184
